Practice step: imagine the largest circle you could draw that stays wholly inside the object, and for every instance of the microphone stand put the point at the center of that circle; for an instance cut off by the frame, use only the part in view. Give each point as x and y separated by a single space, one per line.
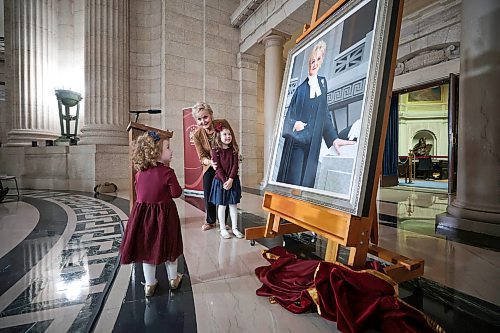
150 111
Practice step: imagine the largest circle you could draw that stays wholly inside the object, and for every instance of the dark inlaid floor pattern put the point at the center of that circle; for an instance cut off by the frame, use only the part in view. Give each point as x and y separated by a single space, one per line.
47 232
82 269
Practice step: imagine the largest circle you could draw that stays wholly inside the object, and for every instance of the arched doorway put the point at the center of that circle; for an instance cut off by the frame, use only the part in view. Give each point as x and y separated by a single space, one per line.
429 138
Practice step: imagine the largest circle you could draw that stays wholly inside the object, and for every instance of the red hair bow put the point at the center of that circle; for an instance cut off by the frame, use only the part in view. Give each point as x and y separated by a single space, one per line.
219 127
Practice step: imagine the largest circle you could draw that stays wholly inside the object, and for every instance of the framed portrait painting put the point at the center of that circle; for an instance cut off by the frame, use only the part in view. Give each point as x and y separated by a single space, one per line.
327 133
432 94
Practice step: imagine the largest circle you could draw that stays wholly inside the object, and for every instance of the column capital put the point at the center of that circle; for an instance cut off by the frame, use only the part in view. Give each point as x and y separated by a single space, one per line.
274 38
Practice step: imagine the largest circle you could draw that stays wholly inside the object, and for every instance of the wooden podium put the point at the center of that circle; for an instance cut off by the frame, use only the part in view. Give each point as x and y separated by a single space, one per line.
340 228
134 130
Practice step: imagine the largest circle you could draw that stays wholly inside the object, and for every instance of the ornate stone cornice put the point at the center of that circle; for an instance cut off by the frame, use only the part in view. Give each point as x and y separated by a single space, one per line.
428 57
245 9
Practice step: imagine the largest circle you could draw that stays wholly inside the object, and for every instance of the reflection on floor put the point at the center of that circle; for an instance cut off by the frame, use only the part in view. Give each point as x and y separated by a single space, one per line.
59 272
174 310
427 183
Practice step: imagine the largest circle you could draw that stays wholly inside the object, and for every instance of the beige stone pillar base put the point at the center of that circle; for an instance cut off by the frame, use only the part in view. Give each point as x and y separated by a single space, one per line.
481 214
446 220
24 137
104 135
77 168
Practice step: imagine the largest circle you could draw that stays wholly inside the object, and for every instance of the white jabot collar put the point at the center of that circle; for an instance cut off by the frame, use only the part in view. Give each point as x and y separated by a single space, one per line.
314 89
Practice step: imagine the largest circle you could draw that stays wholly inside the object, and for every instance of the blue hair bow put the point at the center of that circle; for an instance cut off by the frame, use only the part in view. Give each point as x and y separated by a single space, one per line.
154 135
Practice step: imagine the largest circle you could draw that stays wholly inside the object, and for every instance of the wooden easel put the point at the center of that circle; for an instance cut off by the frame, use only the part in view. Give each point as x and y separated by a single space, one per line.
338 227
134 130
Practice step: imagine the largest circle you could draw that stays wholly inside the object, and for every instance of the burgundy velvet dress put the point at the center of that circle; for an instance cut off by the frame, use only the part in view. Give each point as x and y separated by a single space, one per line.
153 233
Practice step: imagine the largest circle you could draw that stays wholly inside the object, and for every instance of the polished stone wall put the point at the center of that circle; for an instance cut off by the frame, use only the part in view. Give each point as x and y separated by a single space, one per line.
182 52
145 35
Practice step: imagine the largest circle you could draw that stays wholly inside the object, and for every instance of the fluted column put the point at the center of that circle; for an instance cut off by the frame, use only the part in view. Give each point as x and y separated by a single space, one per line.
478 172
106 72
30 30
273 77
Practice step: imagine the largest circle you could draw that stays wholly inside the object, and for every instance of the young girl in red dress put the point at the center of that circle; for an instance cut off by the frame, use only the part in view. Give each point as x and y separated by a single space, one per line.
226 188
153 233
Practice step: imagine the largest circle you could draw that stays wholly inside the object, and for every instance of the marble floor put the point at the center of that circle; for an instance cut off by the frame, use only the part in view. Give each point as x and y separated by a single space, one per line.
59 268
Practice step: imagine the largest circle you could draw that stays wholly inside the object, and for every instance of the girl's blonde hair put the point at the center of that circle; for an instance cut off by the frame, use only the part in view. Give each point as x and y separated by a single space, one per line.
218 140
200 106
145 151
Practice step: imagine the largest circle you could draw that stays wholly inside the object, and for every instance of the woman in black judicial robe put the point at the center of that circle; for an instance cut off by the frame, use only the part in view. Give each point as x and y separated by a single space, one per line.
307 122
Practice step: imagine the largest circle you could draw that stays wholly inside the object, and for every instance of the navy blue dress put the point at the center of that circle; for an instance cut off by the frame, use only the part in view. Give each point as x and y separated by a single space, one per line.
227 167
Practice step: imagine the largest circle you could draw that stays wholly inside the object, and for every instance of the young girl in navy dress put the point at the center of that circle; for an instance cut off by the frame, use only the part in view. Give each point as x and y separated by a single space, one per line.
153 233
226 188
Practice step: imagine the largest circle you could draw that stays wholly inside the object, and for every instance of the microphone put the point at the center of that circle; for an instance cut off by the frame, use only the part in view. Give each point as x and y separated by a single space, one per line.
150 111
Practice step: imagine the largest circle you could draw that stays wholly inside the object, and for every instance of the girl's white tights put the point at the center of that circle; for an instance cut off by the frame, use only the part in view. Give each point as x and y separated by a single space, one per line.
150 271
171 269
221 214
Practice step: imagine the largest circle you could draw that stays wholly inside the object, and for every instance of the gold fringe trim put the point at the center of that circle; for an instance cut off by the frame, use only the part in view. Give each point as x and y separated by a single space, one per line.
376 273
313 292
433 324
373 272
270 256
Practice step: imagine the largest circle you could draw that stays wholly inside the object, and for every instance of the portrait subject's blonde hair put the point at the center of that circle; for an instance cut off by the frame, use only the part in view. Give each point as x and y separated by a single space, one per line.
201 106
319 47
145 151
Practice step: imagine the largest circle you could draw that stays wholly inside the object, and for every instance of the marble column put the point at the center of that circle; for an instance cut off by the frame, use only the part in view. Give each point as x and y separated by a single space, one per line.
106 73
273 44
249 129
30 35
477 203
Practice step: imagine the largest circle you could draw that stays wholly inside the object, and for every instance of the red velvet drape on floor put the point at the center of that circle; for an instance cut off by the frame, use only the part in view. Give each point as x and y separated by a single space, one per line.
356 300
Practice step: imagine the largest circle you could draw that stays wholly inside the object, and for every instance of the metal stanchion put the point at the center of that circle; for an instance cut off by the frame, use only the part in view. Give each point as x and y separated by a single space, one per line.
411 176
